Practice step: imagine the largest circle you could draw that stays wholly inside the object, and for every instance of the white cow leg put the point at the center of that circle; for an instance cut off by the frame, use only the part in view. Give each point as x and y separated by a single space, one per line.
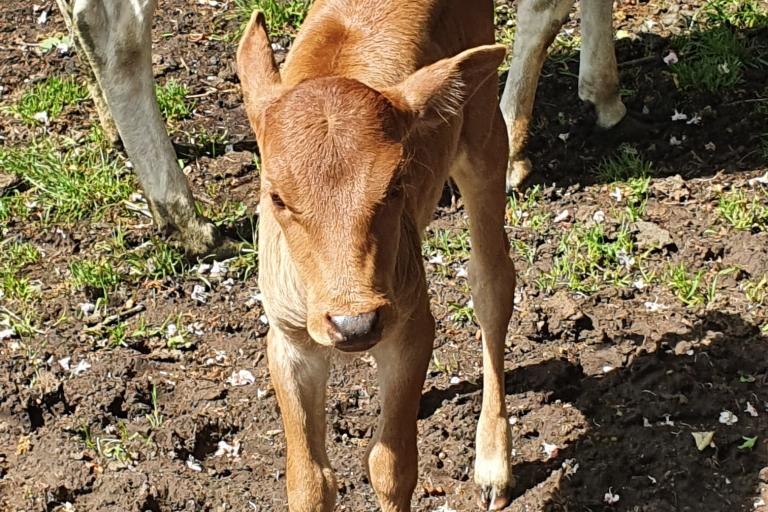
598 73
116 37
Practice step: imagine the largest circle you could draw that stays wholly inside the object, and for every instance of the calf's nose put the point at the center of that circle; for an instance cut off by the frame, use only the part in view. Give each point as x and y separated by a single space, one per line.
357 326
355 333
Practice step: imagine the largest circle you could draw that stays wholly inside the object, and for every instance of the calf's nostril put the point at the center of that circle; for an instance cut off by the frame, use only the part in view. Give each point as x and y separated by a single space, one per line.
356 326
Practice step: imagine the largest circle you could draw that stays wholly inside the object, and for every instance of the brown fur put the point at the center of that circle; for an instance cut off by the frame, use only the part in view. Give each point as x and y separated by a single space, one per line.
377 104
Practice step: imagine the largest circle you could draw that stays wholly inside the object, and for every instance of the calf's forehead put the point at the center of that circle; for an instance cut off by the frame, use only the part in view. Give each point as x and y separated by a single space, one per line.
334 132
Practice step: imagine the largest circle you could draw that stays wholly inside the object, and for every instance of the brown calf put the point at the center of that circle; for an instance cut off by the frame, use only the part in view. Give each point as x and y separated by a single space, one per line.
378 103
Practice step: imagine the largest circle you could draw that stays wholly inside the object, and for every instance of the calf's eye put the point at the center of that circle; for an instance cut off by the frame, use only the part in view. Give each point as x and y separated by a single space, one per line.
277 201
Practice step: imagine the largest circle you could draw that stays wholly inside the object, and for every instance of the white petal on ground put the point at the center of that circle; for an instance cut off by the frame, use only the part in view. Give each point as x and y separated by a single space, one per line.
199 294
679 116
611 498
64 362
751 410
241 378
670 58
81 367
563 215
194 464
728 418
599 216
550 450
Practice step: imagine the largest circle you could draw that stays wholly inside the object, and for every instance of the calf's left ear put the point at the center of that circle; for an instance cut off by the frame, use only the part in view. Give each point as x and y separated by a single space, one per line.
256 67
435 93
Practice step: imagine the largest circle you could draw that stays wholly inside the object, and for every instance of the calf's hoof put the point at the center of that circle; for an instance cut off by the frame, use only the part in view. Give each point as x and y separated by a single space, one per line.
517 171
491 497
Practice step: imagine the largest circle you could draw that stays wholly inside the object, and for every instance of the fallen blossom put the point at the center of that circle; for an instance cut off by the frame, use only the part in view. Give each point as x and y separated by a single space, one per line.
255 298
599 216
230 450
670 58
228 283
654 306
710 146
570 467
455 380
219 269
462 272
646 423
444 508
241 378
639 284
263 319
437 259
653 480
564 136
81 367
87 308
199 294
674 141
550 450
43 18
728 418
9 332
171 330
763 180
194 464
695 119
679 116
608 368
703 439
616 194
203 268
64 362
724 68
611 498
261 393
41 117
751 410
562 216
625 260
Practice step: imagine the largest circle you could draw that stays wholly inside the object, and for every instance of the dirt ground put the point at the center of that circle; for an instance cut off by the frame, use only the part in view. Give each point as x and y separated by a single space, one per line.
605 388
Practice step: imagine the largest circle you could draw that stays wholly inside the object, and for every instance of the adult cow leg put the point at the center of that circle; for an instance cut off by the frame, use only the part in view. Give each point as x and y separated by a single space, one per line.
392 455
479 173
538 22
115 36
598 72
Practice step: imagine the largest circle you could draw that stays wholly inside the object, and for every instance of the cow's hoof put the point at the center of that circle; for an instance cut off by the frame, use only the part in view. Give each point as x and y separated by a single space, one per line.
629 129
518 171
492 498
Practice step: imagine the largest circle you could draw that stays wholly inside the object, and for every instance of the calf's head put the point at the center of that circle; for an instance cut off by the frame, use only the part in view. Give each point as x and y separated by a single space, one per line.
335 170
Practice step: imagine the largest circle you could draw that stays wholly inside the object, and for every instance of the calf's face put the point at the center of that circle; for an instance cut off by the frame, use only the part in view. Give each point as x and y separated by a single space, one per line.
332 165
335 157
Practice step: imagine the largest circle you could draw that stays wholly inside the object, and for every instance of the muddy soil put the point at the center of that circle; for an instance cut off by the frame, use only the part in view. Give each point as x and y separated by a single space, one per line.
604 390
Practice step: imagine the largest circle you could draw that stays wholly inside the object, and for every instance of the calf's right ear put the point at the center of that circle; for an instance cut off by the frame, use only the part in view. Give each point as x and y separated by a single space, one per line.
256 67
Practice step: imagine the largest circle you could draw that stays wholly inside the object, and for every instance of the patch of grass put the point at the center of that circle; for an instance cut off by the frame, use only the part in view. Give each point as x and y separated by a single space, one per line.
172 100
689 287
525 212
283 17
589 258
637 199
627 163
97 278
462 313
68 180
14 256
156 260
154 418
757 291
49 96
741 14
712 60
12 206
747 211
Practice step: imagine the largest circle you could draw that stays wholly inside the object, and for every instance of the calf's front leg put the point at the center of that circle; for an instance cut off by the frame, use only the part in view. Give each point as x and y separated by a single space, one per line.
115 36
299 372
392 455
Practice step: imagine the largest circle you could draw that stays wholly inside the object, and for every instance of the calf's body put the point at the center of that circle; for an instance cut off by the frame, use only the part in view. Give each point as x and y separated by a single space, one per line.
378 103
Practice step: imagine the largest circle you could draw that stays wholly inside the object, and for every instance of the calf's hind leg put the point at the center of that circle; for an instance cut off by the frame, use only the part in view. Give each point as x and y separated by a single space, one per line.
115 36
480 177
